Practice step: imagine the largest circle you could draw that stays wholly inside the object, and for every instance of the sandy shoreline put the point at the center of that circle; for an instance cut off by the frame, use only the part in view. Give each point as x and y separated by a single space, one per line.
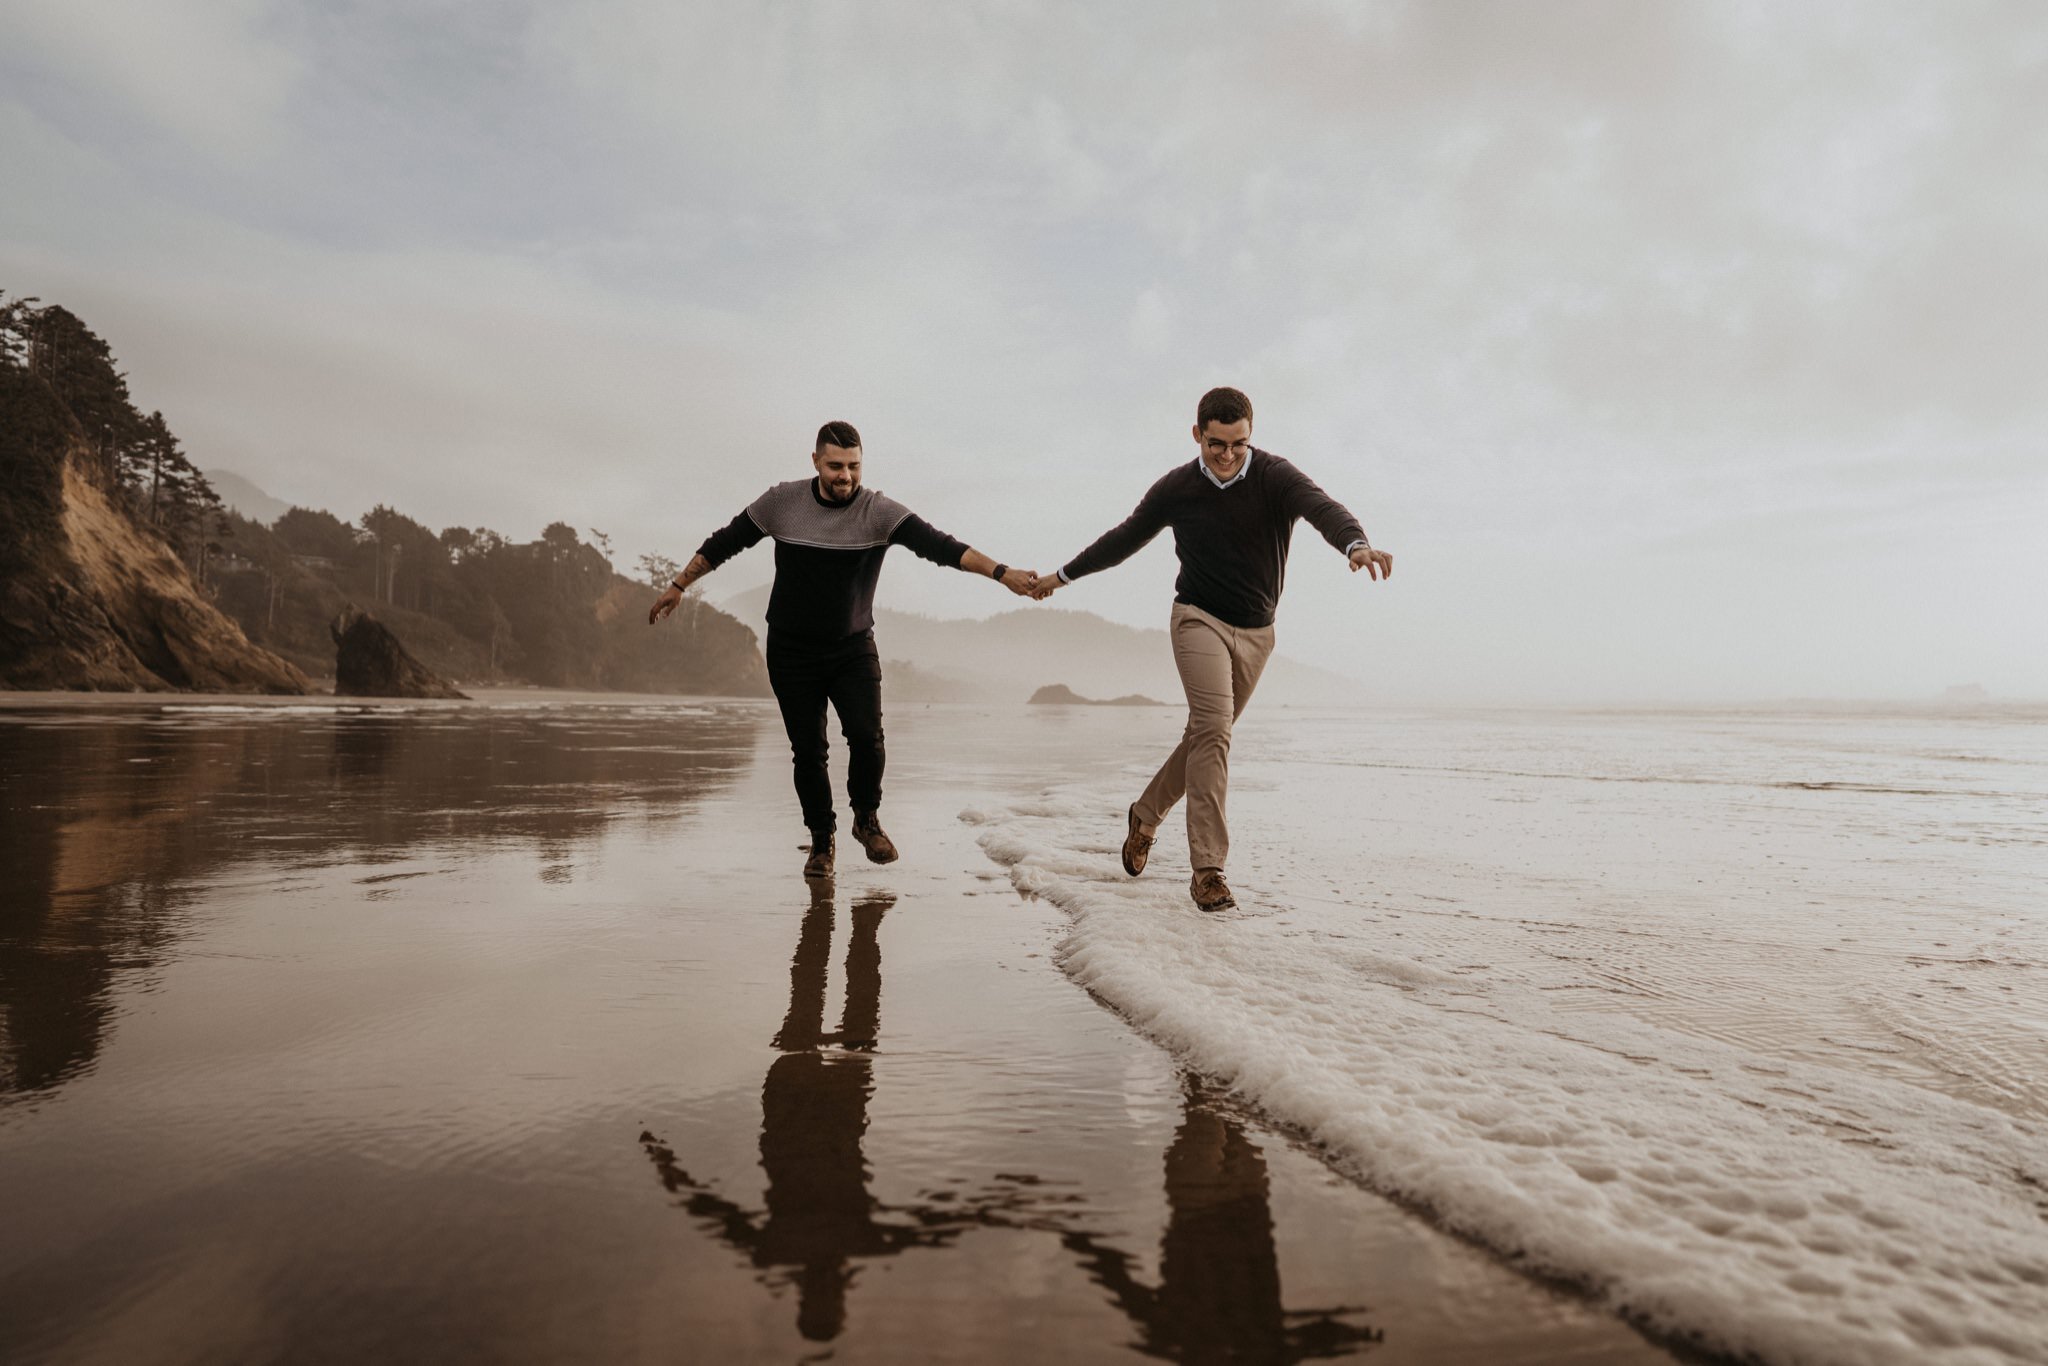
539 1064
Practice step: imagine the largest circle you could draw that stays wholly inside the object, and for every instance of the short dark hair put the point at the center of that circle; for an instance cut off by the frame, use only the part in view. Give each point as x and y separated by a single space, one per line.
840 434
1225 406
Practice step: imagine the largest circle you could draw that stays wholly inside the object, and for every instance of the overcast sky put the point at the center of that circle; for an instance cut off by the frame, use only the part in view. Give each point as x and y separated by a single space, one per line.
1675 351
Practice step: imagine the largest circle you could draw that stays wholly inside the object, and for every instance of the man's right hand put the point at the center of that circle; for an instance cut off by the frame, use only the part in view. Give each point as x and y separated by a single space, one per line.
1046 586
665 604
1022 582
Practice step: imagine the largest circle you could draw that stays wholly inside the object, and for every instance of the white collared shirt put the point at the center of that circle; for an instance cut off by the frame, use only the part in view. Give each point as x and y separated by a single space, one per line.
1242 470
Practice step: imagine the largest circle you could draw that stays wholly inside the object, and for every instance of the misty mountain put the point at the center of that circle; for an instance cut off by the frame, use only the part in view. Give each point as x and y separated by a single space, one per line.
1010 656
245 499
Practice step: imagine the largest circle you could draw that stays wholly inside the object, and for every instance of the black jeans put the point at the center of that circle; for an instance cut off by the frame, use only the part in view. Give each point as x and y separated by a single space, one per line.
848 674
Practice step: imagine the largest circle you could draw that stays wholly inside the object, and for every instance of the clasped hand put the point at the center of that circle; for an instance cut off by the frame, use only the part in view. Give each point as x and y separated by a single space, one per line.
1028 583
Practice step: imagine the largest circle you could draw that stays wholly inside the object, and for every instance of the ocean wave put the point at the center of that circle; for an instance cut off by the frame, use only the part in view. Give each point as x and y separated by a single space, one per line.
1680 780
1792 1211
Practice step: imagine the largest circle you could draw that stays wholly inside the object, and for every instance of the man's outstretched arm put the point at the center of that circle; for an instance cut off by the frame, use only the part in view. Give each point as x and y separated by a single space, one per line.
923 539
1302 496
1112 547
724 543
1018 581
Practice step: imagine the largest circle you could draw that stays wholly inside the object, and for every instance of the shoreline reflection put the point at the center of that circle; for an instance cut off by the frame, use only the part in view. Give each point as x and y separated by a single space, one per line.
1219 1296
112 826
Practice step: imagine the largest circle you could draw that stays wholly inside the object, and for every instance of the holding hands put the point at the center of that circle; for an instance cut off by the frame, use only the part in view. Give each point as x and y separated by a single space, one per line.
1020 581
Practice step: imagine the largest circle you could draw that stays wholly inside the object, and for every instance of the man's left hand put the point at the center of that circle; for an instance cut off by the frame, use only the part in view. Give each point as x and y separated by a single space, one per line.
1377 563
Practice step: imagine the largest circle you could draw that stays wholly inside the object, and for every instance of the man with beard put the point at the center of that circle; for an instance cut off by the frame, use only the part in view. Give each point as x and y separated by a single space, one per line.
830 534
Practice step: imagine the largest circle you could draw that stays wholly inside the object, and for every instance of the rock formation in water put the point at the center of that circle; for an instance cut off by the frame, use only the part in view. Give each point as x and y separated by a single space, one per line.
90 597
369 661
1060 695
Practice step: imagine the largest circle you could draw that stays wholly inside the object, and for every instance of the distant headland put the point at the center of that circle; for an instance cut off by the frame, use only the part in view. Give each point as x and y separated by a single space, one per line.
1060 695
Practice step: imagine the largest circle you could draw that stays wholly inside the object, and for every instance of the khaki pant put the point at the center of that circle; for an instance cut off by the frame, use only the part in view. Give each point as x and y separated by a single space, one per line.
1219 666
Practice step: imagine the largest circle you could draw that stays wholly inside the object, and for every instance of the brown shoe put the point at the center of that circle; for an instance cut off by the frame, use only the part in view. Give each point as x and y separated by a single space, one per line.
1137 846
819 864
868 830
1211 892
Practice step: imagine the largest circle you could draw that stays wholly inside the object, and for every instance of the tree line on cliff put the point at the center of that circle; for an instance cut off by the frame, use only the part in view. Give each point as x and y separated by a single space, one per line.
49 349
477 606
469 602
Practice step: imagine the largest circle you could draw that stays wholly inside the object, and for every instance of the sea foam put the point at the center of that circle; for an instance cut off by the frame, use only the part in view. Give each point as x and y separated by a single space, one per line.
1750 1203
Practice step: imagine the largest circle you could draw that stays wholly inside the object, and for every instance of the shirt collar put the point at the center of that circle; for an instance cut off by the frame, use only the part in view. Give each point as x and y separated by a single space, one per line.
1242 470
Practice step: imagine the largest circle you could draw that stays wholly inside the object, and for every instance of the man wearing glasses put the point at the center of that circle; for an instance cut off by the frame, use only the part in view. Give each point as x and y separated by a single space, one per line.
1232 511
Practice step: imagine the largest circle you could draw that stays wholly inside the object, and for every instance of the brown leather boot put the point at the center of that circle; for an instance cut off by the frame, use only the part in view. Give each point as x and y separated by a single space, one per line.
1210 891
819 864
867 828
1137 846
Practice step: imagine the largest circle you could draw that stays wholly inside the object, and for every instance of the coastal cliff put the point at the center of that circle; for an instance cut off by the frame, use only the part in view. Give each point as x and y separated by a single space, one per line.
123 567
90 596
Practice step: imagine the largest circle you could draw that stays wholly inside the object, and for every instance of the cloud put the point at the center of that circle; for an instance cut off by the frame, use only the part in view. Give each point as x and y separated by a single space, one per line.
208 72
1594 287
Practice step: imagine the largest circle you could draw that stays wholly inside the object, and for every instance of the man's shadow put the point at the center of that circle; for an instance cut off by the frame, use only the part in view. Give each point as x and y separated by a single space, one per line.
1218 1297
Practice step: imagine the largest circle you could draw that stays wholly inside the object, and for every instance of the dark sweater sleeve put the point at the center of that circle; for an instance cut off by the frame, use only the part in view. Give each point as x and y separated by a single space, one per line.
1300 497
1125 539
730 539
927 542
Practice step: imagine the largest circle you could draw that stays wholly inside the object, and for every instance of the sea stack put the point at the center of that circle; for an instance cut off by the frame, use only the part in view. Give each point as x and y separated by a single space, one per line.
369 661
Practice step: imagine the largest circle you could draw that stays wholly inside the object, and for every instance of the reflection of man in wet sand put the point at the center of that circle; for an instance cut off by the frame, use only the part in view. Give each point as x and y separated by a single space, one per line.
814 1111
830 535
1232 510
1218 1298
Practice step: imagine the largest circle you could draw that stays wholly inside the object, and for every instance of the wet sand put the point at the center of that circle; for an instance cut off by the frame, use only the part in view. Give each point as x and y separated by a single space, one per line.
510 1032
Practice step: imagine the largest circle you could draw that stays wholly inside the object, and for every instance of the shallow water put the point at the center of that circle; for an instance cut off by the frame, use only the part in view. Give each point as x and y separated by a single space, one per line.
1739 1019
511 1033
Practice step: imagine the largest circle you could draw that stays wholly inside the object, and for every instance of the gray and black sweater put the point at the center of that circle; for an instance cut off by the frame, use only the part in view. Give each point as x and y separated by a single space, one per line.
828 556
1231 538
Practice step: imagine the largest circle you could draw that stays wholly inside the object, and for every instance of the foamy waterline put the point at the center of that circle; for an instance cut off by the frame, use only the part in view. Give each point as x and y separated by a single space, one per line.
1798 1212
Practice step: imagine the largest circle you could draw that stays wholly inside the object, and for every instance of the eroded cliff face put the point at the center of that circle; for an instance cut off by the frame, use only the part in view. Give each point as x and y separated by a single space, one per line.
93 601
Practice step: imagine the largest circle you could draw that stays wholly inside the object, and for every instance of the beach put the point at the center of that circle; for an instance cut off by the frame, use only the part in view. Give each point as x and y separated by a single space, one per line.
510 1031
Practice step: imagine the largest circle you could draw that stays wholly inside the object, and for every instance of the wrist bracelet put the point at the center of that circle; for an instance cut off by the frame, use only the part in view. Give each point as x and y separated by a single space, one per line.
1000 570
